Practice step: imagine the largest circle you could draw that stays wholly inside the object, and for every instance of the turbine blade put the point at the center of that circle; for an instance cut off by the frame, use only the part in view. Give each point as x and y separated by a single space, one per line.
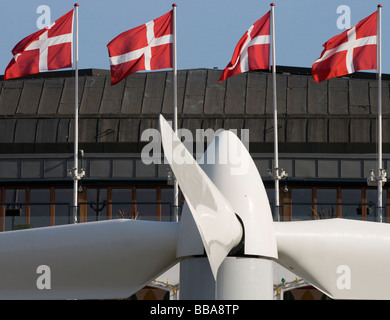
345 259
96 260
229 165
215 219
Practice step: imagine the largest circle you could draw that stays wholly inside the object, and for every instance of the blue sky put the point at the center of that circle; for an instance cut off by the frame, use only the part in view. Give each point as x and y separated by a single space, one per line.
207 30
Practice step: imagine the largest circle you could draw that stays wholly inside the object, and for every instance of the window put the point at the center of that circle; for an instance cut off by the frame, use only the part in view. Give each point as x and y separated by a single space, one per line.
96 204
351 200
14 199
122 206
167 203
146 204
302 208
39 207
63 204
326 203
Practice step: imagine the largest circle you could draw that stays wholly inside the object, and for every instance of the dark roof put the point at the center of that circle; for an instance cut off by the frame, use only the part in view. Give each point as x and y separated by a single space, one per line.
36 112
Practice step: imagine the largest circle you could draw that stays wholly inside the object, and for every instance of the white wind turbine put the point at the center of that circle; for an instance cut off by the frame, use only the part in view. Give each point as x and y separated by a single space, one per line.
226 242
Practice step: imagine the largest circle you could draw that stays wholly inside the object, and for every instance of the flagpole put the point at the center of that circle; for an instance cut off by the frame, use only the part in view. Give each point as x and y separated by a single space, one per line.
175 182
75 174
276 151
381 173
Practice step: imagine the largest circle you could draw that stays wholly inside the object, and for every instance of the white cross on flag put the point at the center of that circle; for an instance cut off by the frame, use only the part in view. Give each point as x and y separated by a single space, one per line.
353 50
47 49
147 47
252 51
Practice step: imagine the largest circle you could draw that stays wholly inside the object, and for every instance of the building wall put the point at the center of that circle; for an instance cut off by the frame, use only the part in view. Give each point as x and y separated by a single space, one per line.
327 138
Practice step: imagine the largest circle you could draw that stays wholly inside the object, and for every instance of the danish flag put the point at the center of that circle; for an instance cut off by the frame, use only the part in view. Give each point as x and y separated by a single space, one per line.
47 49
147 47
353 50
252 51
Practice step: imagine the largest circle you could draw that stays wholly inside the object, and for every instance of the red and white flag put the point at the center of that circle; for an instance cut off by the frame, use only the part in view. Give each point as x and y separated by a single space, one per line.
252 51
353 50
47 49
147 47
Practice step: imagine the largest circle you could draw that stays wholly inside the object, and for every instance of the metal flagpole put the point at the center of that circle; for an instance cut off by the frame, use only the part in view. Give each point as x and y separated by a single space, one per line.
276 151
175 183
381 173
75 174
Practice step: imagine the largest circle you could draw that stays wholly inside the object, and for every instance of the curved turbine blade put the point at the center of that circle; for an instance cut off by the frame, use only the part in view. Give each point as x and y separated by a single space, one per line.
215 219
229 165
345 259
95 260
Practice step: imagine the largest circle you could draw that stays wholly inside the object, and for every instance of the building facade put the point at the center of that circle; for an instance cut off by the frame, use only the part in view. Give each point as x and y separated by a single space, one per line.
327 141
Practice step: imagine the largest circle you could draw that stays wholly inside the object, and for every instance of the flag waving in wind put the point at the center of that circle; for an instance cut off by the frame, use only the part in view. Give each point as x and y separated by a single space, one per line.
47 49
353 50
147 47
252 51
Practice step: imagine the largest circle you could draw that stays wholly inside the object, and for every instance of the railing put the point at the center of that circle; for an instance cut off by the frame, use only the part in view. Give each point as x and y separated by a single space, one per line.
161 211
22 215
290 211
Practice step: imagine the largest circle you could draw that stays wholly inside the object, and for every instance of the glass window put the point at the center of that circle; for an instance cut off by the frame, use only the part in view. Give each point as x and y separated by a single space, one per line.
96 204
302 208
40 207
121 203
15 196
351 203
14 199
167 203
326 203
146 204
64 202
